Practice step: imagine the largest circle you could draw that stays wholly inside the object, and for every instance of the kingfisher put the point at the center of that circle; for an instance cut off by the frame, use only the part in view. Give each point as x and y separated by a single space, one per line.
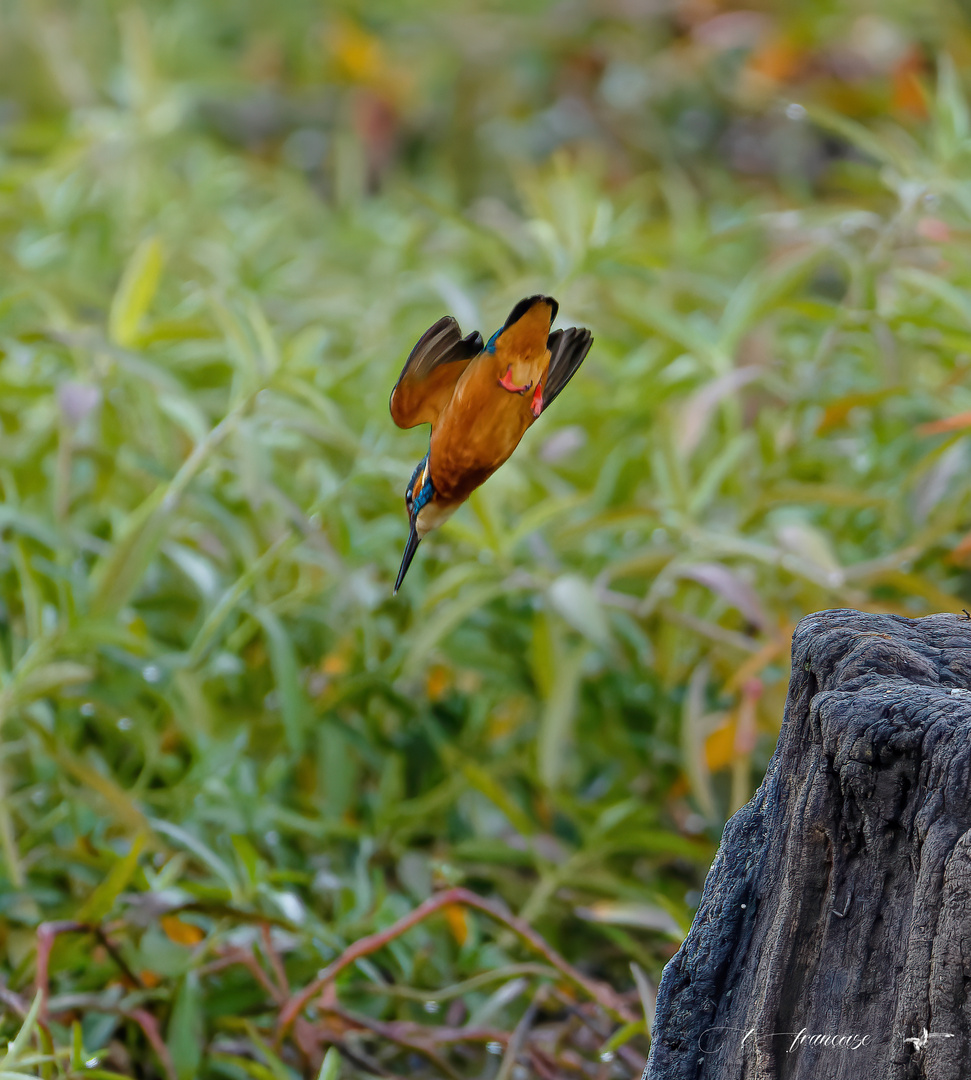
479 402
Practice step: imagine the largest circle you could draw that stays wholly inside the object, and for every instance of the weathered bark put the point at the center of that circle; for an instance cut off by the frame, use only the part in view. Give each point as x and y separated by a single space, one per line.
839 903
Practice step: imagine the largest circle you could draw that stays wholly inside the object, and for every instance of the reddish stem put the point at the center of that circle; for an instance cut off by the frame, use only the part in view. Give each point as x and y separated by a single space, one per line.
149 1025
275 962
47 934
604 995
247 960
415 1037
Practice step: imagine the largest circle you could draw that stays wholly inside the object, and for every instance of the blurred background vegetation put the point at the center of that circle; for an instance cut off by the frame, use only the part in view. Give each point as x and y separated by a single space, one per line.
228 753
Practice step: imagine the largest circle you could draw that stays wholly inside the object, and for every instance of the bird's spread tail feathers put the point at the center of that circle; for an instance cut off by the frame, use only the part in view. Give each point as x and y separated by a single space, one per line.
525 332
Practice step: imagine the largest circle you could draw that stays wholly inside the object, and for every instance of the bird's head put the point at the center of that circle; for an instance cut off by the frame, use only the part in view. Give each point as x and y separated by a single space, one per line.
426 511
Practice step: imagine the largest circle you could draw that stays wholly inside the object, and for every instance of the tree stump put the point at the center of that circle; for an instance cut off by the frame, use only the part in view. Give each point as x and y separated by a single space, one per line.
833 939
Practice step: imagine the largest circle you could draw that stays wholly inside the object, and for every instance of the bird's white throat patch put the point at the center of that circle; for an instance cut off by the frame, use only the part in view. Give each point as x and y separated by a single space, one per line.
431 516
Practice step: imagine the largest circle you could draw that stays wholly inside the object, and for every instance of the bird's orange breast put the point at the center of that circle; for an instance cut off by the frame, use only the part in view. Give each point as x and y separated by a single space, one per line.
482 423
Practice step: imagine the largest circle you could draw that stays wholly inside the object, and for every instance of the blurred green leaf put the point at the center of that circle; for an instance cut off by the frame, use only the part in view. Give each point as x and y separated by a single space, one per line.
953 128
763 290
293 704
575 599
118 574
47 679
695 726
493 790
274 1066
448 616
647 994
330 1068
856 134
958 300
557 722
186 1030
20 1042
135 292
99 904
201 851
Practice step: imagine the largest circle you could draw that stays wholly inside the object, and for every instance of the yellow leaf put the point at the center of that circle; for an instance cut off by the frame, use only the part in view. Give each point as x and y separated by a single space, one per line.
720 746
335 663
135 293
359 56
458 922
437 682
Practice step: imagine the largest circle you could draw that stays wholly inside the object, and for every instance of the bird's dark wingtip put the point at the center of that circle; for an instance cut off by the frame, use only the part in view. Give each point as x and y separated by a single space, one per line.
568 350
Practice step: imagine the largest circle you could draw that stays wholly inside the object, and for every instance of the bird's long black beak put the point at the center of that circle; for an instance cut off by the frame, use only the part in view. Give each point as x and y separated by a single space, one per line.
410 548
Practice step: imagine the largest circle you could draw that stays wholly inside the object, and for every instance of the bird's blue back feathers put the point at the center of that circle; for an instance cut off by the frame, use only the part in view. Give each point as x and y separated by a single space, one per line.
424 494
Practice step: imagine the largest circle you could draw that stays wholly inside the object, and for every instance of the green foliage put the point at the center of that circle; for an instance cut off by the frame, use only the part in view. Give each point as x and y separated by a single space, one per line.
224 743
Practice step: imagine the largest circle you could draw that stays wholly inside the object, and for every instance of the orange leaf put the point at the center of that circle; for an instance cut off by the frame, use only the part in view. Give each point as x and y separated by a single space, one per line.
720 746
438 681
780 60
837 411
679 788
759 661
182 933
909 95
962 552
949 423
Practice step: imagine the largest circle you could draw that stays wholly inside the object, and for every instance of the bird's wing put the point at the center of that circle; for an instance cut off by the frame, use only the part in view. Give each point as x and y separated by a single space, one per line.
431 371
567 350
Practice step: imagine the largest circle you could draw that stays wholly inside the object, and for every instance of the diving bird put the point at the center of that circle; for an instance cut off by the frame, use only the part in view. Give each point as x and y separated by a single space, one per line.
479 402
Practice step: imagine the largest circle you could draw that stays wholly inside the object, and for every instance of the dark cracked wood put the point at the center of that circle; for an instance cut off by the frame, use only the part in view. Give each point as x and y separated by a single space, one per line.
839 904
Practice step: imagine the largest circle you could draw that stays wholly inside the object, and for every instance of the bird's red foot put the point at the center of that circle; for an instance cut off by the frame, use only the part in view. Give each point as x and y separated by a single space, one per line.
507 384
536 405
